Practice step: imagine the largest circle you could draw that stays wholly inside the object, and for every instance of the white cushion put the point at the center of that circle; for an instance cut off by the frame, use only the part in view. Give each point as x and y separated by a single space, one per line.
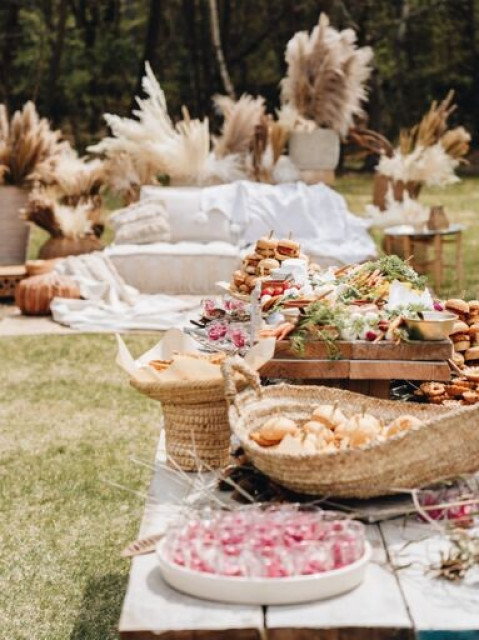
182 268
140 223
188 223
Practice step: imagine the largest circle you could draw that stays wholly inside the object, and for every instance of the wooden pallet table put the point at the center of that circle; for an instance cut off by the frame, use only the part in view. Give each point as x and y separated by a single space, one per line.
362 366
391 604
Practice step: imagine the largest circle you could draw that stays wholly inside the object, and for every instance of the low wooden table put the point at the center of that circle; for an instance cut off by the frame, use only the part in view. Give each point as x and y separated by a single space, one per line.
391 604
410 241
363 366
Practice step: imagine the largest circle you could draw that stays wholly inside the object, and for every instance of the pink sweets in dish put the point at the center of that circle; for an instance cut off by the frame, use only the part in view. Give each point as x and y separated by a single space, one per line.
271 542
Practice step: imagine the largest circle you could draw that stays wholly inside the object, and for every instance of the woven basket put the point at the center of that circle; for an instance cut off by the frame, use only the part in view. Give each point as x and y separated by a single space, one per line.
197 429
446 445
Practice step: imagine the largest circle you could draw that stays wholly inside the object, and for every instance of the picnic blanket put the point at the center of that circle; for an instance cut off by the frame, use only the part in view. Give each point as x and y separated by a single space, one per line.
109 304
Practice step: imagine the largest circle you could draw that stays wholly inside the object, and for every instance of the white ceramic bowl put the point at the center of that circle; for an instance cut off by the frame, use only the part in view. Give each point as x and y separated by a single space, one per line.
263 591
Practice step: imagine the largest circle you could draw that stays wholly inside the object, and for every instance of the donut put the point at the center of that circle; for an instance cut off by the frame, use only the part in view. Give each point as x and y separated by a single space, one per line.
471 397
433 389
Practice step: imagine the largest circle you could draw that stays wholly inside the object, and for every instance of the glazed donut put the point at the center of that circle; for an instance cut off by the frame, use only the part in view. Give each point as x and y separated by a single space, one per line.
433 389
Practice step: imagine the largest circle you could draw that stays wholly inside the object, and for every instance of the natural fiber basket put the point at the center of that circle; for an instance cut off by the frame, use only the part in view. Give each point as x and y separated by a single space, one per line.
195 414
444 446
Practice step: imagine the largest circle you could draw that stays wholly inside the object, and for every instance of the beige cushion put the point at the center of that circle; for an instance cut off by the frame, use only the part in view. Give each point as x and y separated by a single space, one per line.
141 223
182 268
188 223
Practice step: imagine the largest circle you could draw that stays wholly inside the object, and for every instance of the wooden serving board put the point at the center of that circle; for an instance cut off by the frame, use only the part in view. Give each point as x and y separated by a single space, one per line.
355 369
364 350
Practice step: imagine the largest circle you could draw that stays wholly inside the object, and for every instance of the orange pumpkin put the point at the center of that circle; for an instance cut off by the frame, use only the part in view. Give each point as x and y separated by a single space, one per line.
34 295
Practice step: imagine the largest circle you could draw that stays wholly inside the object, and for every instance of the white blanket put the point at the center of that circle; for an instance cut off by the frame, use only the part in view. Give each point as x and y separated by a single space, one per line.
316 215
111 305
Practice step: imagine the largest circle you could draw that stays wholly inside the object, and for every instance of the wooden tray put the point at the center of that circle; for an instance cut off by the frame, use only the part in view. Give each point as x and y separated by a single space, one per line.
363 350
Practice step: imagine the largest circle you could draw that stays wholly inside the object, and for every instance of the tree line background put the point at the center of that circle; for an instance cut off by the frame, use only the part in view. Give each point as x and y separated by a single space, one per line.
79 58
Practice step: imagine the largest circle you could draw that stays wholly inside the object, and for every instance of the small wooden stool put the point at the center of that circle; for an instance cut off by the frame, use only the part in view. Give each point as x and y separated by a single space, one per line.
406 242
9 278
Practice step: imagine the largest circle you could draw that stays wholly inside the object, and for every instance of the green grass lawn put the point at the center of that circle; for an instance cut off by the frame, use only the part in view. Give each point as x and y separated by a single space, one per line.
69 423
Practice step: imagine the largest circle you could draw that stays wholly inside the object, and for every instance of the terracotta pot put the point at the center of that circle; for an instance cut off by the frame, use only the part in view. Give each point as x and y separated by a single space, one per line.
62 247
14 232
381 186
316 150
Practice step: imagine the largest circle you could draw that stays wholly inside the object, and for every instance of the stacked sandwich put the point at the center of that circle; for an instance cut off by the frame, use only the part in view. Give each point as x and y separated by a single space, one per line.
465 334
268 255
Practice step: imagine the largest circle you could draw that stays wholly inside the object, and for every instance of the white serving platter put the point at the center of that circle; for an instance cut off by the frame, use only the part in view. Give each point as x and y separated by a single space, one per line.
263 591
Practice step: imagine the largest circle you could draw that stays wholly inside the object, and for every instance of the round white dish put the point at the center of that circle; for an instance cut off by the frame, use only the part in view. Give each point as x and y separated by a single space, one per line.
263 591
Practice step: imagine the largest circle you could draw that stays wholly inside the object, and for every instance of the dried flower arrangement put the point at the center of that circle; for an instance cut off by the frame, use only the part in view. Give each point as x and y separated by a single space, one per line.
149 148
254 138
74 180
72 229
26 141
326 78
406 211
428 153
59 220
144 149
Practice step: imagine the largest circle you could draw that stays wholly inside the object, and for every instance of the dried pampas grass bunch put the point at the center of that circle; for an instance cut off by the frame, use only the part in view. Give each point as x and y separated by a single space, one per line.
430 166
74 179
326 78
249 136
156 147
26 141
408 211
429 153
62 221
240 119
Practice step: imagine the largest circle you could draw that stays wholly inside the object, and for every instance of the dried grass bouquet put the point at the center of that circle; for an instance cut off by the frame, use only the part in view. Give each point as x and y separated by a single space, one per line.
74 180
26 141
325 83
156 147
62 221
428 153
253 138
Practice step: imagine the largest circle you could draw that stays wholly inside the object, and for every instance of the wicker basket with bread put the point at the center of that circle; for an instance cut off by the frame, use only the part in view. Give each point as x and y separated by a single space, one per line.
325 441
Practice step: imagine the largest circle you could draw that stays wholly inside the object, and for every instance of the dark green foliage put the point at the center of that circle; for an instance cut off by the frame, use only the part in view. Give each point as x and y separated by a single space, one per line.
80 58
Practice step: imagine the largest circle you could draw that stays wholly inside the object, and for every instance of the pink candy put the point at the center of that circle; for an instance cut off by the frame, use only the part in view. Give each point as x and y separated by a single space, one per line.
274 542
217 331
238 337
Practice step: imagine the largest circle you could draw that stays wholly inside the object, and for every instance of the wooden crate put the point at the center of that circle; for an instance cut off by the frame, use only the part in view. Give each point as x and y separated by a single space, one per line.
417 350
362 366
9 278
